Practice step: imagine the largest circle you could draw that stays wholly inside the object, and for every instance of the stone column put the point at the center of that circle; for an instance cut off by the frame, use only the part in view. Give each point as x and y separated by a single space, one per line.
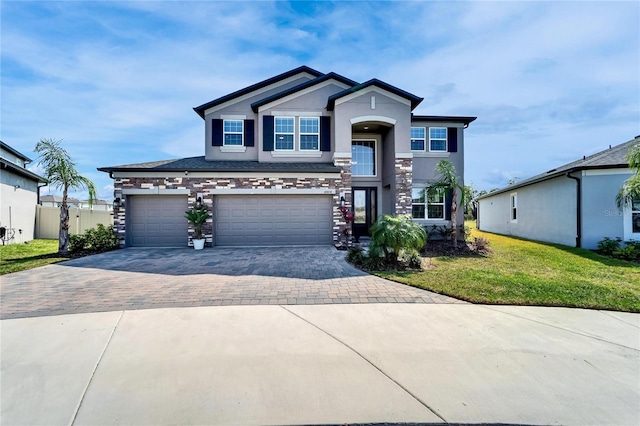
343 187
404 177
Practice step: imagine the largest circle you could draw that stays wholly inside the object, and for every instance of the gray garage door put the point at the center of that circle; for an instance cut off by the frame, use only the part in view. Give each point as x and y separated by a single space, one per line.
157 221
255 220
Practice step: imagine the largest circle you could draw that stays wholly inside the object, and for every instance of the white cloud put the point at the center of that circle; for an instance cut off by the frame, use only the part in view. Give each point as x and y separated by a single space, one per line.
117 81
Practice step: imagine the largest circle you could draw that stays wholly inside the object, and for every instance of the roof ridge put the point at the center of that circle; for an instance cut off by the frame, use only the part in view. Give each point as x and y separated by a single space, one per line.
303 68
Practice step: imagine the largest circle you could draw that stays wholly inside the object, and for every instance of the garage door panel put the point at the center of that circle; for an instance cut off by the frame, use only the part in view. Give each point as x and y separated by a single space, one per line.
273 220
157 221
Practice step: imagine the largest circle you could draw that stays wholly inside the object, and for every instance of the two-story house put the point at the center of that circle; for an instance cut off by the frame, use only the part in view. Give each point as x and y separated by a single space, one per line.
19 191
280 158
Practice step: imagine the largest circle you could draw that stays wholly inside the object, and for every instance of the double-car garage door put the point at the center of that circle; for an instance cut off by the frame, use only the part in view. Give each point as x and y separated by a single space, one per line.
255 220
240 220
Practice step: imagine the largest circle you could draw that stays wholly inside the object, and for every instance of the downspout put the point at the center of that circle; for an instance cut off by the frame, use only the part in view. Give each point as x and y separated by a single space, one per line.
578 209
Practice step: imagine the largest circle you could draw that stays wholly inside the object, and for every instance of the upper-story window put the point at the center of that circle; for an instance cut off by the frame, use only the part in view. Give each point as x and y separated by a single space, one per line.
309 133
418 138
437 139
284 133
363 158
233 131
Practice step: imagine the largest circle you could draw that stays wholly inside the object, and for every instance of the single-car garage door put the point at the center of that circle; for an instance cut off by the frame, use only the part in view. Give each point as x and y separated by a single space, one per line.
157 220
256 220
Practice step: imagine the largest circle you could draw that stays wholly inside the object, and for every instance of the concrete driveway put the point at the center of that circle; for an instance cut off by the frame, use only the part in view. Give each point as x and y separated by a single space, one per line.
160 278
323 343
323 364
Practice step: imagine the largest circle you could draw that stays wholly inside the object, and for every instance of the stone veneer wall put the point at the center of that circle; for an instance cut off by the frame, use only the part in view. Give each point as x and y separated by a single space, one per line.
343 187
404 177
204 185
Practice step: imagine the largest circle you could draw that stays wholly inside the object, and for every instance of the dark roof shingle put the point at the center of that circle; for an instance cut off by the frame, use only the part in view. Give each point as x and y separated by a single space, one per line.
199 164
611 158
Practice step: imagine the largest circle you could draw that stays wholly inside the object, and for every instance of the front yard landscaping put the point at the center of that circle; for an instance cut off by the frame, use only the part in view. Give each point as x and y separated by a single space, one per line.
19 257
520 272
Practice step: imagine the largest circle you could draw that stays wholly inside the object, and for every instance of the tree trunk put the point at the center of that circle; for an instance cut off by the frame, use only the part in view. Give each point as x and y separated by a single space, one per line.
454 218
63 236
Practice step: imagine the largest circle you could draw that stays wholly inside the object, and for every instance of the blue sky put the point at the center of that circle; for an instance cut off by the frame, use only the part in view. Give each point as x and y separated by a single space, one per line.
117 81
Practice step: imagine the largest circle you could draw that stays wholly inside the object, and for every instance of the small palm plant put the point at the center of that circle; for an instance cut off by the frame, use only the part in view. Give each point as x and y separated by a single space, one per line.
197 217
393 237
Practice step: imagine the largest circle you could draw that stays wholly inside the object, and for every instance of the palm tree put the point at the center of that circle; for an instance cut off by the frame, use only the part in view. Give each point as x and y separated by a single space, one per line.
631 188
392 237
61 172
449 180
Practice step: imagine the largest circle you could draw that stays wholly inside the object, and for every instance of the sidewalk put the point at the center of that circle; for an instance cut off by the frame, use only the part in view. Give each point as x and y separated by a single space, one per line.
323 364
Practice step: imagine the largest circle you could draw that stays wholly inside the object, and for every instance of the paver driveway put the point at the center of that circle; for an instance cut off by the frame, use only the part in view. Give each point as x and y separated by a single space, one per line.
158 278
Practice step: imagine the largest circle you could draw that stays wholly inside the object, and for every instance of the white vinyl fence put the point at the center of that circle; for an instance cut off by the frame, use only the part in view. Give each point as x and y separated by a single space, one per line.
48 221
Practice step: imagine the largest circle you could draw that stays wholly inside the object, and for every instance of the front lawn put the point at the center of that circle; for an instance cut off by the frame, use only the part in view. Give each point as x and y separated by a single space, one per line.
18 257
520 272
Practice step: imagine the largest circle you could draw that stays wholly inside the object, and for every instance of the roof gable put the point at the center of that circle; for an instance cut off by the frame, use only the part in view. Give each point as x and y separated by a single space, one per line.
326 77
413 99
254 87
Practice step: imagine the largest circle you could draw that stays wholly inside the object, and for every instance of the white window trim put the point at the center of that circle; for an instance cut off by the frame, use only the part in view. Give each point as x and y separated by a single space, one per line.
275 134
424 140
224 133
233 148
300 134
443 204
513 206
426 205
627 227
446 139
304 153
376 166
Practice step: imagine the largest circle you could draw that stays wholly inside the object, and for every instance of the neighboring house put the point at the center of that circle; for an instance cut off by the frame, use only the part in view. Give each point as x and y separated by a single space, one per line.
98 205
282 155
574 204
56 201
18 196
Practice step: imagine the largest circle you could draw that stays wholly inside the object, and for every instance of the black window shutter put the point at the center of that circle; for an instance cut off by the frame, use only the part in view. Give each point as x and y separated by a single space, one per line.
267 132
447 204
452 139
325 133
216 132
249 139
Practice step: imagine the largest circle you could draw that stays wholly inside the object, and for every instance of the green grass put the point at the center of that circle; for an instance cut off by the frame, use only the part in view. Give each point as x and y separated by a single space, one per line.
523 272
18 257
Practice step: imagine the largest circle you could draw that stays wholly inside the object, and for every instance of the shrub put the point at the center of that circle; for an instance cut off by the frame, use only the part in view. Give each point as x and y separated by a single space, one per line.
395 236
608 246
98 239
77 243
629 252
355 255
480 245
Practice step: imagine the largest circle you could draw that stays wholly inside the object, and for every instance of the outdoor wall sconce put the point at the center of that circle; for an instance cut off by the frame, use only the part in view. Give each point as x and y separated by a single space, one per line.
118 202
342 201
199 202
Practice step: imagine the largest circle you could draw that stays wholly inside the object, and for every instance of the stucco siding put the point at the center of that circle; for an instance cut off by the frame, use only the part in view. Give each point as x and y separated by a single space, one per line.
545 212
600 216
383 106
19 197
242 108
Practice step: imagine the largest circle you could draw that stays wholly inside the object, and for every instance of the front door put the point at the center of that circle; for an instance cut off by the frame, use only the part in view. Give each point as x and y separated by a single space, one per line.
364 210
